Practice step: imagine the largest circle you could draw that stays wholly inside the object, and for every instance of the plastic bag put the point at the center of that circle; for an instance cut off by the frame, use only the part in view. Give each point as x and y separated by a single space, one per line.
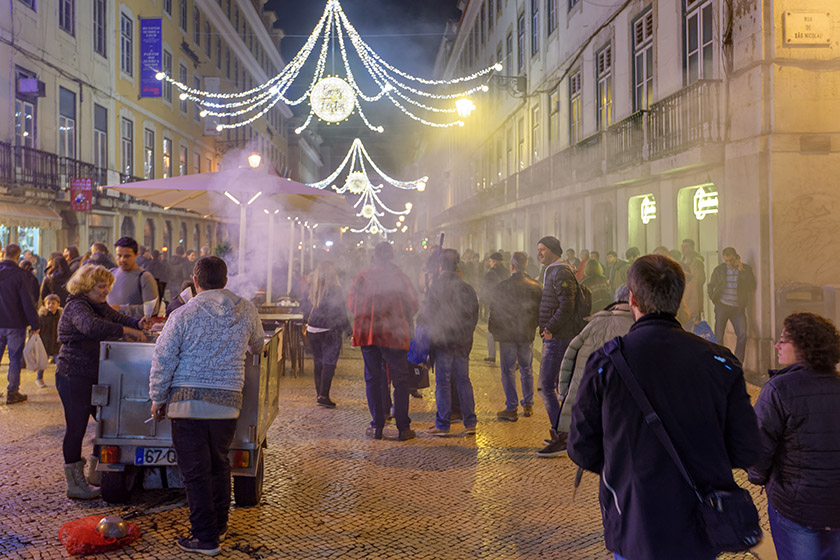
35 354
703 330
81 537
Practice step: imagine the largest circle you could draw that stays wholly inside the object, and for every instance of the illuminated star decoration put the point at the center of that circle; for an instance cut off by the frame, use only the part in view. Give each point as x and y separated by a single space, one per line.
333 98
369 205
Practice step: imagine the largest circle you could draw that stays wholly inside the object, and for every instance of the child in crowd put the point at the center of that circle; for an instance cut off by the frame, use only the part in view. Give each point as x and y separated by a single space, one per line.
48 317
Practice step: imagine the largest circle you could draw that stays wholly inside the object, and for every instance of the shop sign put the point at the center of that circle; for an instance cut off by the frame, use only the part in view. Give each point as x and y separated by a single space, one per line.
705 203
151 33
807 28
81 191
648 209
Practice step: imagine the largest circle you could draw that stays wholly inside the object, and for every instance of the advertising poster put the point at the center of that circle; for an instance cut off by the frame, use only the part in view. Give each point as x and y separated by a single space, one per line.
151 33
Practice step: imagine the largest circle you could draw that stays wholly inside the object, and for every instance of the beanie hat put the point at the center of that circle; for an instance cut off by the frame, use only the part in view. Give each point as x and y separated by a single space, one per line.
552 244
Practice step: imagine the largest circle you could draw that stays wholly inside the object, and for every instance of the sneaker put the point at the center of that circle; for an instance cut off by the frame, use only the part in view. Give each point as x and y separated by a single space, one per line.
15 397
435 431
456 418
507 415
556 447
469 431
373 433
527 410
407 434
416 393
325 402
40 383
200 547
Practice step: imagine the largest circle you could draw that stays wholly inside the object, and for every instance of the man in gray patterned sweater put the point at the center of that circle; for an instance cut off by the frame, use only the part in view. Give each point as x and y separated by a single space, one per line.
197 375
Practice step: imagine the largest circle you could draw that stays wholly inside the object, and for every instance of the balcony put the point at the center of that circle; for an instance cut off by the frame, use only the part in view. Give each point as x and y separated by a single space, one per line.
626 141
687 118
22 165
5 162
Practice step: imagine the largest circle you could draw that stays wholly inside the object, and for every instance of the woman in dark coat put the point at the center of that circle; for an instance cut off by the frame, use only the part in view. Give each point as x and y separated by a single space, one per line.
325 312
86 321
800 441
55 281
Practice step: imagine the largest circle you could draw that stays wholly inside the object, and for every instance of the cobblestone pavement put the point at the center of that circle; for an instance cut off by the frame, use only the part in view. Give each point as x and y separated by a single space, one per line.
331 493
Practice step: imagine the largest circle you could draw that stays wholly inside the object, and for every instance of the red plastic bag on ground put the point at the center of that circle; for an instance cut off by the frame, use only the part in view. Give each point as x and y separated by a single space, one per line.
81 537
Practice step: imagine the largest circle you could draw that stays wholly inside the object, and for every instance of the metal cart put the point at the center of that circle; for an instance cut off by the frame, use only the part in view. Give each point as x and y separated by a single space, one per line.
132 448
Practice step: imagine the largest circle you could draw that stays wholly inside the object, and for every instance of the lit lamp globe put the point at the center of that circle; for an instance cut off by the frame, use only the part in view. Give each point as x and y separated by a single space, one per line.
421 184
332 99
254 160
368 211
465 107
409 206
374 230
402 218
356 182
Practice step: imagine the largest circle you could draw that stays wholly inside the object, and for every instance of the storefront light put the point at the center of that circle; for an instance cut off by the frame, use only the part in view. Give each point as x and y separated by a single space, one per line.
648 209
705 201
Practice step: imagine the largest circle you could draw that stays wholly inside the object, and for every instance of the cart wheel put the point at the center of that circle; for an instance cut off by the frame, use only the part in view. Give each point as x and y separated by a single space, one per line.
117 486
247 490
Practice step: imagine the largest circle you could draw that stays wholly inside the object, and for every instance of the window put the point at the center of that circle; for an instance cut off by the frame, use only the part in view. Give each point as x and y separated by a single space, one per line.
196 107
182 14
126 45
167 67
535 132
553 119
699 46
520 43
196 163
148 154
66 123
207 43
100 26
489 16
24 123
508 50
227 62
196 26
67 16
167 158
483 23
28 3
499 9
236 72
182 77
127 146
182 161
520 132
100 137
535 27
575 115
167 7
604 75
643 62
551 15
573 3
219 52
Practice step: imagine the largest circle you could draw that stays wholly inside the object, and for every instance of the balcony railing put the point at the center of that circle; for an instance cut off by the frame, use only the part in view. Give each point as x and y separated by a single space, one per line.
6 171
588 157
626 141
687 118
27 166
75 169
36 168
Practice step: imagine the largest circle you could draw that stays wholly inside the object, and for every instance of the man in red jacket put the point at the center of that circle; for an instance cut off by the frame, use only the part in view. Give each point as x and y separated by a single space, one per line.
383 303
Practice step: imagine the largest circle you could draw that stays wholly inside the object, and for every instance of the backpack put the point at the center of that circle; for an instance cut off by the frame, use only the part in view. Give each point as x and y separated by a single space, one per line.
583 305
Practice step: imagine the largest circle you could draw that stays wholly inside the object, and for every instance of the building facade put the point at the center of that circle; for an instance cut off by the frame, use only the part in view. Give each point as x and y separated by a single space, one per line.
643 123
71 109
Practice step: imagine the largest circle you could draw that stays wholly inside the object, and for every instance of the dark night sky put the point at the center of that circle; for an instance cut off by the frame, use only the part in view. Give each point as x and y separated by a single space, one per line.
405 33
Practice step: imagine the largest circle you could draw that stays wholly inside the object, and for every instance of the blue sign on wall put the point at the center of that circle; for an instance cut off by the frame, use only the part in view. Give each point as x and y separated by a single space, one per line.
151 35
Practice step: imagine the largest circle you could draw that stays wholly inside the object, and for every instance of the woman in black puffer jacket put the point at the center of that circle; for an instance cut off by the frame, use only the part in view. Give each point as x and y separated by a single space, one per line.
800 441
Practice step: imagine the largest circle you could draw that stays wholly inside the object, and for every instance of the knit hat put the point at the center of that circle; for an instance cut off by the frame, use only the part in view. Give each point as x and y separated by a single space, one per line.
552 244
497 257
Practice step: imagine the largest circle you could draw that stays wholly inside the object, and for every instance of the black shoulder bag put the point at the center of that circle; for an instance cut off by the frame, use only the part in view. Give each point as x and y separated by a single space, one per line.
728 518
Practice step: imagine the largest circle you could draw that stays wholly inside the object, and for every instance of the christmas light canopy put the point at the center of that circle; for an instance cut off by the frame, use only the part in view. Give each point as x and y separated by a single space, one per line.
437 103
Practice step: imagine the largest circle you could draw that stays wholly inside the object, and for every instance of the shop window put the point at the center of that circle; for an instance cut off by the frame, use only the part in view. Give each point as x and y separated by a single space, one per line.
149 234
642 222
29 239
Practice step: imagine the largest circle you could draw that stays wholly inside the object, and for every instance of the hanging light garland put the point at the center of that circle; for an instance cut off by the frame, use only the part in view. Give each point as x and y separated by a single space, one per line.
332 98
369 205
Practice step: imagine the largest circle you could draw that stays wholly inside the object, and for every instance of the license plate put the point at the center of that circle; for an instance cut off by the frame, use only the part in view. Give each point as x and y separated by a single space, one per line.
154 456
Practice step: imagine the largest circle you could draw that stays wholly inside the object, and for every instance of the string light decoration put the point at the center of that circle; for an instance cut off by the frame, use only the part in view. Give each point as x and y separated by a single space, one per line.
333 99
369 205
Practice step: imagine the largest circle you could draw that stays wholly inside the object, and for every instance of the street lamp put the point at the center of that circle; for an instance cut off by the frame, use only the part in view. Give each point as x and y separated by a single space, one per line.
254 160
464 106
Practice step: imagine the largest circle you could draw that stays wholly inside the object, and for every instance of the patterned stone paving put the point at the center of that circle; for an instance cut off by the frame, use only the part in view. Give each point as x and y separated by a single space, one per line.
331 493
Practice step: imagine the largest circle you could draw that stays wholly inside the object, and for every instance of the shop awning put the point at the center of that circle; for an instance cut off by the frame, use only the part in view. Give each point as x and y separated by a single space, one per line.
19 215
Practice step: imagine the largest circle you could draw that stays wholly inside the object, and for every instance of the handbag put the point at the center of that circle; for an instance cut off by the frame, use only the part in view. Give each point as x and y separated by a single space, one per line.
418 376
728 518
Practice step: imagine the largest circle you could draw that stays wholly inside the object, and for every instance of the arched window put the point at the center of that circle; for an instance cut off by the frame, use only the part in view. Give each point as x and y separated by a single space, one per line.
127 228
149 234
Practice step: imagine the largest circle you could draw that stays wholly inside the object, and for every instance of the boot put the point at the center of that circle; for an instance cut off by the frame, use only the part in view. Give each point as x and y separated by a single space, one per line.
77 487
94 477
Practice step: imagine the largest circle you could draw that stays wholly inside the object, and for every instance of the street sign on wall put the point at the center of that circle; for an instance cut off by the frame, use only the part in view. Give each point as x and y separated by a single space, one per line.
81 192
151 33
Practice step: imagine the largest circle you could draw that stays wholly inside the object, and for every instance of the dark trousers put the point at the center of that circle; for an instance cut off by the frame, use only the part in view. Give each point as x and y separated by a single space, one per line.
202 449
75 397
376 384
738 317
326 346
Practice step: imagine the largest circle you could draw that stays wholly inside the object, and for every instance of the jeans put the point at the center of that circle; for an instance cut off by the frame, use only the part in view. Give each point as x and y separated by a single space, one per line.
202 449
376 384
795 542
74 392
552 359
15 339
449 370
523 353
491 347
738 317
326 347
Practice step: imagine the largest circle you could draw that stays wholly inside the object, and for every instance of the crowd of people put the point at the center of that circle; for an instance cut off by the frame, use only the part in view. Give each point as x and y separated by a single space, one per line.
598 323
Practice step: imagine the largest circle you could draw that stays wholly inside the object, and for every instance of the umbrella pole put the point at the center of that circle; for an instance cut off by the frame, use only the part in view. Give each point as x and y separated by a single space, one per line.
291 256
302 247
270 260
311 248
242 228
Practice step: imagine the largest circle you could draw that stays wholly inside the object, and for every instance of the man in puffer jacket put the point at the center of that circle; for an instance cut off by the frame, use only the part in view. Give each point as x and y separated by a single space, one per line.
197 376
602 327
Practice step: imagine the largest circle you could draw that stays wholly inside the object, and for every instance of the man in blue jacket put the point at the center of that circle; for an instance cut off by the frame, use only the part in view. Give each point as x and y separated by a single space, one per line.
17 311
696 388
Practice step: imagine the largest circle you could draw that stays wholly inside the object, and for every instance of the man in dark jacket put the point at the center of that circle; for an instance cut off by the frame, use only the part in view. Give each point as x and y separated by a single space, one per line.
496 274
696 388
180 270
514 318
558 328
99 255
449 315
17 311
730 289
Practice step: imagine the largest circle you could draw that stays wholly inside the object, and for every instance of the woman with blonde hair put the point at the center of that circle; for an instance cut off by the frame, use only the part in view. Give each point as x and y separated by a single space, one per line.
325 312
86 321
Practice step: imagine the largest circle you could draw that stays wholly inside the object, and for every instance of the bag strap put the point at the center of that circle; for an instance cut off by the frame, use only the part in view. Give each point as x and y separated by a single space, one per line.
651 418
